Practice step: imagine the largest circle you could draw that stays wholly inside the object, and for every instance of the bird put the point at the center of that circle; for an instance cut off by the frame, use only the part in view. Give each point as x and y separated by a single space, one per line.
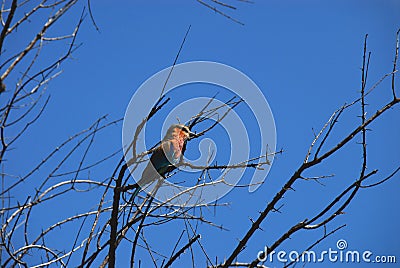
166 156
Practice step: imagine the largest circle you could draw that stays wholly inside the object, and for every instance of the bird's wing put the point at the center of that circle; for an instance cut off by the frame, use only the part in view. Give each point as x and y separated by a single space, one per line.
161 162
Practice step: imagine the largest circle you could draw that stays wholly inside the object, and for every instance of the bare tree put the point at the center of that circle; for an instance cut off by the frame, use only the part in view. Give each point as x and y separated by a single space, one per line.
317 153
116 218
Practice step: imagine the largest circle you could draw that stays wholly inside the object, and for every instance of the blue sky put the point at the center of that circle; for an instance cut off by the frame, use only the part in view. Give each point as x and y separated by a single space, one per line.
305 56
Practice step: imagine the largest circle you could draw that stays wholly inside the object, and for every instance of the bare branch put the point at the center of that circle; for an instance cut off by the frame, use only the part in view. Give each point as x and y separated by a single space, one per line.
396 56
177 254
220 12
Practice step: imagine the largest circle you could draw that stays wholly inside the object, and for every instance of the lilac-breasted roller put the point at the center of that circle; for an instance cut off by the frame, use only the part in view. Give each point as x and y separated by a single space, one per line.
166 156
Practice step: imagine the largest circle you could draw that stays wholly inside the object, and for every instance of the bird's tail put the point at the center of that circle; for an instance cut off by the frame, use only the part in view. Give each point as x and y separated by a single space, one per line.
136 192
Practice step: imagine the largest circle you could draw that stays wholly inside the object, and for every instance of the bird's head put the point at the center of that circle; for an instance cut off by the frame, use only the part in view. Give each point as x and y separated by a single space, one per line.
179 130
